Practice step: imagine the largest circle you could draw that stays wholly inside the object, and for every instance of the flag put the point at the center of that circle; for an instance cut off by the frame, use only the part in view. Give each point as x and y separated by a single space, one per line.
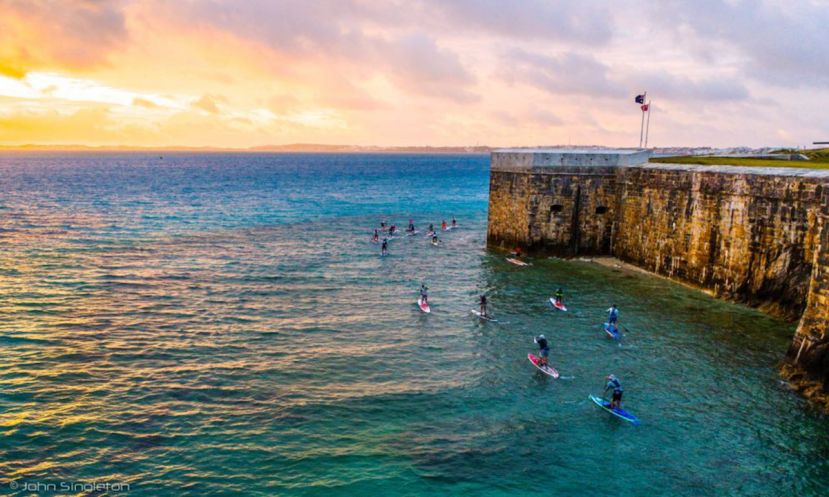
645 107
640 99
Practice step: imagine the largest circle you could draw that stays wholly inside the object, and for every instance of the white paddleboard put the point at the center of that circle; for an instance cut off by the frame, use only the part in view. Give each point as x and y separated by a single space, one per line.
424 306
560 306
516 262
485 318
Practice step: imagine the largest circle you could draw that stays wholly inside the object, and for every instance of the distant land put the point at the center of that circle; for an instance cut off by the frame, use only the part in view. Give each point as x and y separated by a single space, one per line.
325 148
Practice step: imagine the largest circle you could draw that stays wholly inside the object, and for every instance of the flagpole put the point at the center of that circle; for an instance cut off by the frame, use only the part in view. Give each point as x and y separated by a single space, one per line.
642 124
641 128
648 126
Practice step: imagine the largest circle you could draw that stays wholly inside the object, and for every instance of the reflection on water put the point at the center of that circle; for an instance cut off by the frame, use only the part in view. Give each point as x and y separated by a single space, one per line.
220 324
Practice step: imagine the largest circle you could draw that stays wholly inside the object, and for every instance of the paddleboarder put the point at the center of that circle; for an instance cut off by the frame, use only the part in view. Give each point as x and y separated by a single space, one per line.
376 237
612 315
559 296
614 384
384 249
484 312
423 293
411 227
544 350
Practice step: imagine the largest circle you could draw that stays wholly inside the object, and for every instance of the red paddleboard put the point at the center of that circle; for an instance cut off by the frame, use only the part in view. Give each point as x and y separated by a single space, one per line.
545 369
424 306
558 305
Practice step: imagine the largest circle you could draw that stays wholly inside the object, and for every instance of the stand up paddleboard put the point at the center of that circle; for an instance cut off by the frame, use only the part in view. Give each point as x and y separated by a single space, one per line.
549 370
435 243
485 318
614 335
424 306
558 305
616 411
516 262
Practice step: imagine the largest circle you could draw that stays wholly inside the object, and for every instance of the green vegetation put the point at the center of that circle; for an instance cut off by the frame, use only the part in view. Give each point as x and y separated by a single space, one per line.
819 159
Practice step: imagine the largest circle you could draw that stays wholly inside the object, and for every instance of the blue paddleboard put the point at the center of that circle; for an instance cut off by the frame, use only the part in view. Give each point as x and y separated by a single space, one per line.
614 335
621 413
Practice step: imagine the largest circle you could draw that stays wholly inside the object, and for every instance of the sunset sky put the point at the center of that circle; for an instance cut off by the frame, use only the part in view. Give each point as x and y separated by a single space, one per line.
412 72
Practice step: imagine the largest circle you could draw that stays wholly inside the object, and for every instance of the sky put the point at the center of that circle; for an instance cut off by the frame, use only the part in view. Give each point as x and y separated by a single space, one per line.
230 73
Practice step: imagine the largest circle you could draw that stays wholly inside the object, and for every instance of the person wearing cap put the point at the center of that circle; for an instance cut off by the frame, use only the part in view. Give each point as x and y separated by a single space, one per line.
612 314
614 384
544 349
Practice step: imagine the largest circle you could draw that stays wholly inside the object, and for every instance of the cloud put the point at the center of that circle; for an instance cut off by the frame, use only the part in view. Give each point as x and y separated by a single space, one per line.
143 102
567 73
207 103
74 33
684 89
781 43
585 22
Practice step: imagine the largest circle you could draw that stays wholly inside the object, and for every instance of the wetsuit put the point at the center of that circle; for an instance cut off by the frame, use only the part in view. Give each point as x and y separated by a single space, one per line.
454 223
385 246
483 306
423 295
544 349
613 384
612 315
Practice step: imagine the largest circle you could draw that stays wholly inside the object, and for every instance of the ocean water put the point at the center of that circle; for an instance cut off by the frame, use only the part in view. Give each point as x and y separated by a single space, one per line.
213 324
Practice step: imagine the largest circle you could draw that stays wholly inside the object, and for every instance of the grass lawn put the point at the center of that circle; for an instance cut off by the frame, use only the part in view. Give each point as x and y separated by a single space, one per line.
819 160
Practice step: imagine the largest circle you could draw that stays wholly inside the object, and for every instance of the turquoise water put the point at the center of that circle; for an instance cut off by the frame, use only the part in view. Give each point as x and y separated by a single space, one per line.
220 325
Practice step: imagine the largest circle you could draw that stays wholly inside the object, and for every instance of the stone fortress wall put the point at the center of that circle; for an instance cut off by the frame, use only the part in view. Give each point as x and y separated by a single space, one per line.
750 235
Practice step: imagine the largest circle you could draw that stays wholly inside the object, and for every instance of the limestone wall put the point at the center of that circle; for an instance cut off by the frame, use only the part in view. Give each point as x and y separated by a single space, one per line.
744 234
564 212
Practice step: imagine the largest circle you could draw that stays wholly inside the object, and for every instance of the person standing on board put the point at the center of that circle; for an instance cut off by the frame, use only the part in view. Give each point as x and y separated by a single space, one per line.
454 223
431 229
559 296
612 315
423 293
384 249
443 225
484 312
411 228
544 350
376 237
614 384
